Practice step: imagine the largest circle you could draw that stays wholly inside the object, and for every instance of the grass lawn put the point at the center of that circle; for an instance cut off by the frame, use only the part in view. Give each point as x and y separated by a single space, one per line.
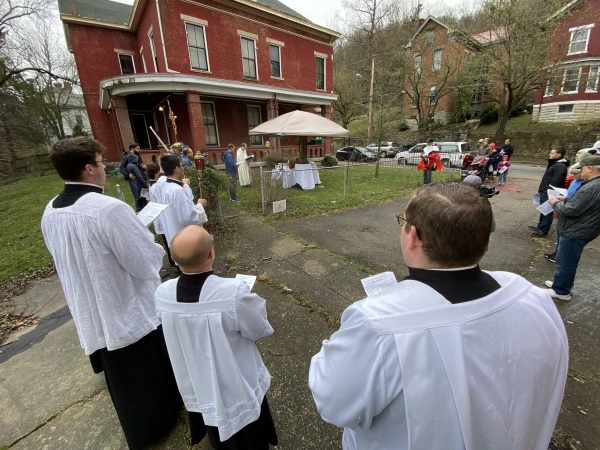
362 188
21 207
22 204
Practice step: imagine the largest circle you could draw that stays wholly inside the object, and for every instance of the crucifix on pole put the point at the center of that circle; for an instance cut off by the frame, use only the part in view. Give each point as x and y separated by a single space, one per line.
173 118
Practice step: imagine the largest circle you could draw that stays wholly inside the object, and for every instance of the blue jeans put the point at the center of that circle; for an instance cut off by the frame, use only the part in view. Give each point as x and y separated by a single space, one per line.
545 222
502 177
567 259
427 177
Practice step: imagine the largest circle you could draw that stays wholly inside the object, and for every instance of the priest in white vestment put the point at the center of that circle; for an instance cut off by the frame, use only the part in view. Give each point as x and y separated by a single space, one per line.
242 160
176 193
211 325
108 266
451 357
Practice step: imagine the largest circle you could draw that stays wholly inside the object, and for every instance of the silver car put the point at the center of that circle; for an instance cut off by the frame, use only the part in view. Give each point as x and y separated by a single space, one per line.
452 154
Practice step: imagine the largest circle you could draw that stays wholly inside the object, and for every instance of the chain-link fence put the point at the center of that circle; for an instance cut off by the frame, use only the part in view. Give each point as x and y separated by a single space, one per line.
310 189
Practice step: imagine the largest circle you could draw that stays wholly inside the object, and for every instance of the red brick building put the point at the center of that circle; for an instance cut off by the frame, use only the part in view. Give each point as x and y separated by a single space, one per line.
571 93
438 52
224 66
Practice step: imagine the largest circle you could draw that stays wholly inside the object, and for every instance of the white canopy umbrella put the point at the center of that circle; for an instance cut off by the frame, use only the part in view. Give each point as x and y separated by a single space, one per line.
300 123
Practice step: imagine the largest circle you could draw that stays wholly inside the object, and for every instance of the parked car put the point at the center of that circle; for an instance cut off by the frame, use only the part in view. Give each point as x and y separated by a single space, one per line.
388 148
452 154
355 154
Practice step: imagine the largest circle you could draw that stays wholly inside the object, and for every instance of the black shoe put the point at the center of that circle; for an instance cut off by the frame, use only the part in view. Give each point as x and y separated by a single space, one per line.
539 234
550 256
531 227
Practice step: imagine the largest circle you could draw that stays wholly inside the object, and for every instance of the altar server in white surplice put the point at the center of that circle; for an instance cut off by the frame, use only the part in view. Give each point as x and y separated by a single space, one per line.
108 265
451 357
176 193
211 325
242 160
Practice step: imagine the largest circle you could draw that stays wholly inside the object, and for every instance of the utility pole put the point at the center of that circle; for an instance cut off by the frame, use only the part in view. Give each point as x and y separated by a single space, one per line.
371 88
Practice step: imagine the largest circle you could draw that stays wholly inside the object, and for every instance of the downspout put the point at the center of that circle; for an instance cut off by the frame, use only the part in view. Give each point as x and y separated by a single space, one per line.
162 38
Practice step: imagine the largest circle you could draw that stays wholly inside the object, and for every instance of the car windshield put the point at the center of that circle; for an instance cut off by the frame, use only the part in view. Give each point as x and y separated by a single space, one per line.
361 149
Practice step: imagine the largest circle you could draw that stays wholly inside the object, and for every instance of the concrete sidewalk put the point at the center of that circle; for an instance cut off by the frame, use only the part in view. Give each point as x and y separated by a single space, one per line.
311 271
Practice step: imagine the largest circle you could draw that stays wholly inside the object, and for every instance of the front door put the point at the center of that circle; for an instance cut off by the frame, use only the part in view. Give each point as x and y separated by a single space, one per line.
140 130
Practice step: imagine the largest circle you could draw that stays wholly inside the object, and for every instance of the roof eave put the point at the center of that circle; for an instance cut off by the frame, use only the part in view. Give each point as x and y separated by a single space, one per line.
70 18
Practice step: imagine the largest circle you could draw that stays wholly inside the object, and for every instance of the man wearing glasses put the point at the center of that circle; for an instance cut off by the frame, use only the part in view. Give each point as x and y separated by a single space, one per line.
451 357
578 224
108 265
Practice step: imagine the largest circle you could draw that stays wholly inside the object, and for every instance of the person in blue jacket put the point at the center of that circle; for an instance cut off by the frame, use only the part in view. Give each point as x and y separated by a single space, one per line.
232 170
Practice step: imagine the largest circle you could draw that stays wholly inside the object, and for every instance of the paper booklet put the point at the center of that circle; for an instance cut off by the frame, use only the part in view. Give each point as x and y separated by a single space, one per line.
150 212
545 208
559 190
248 279
379 283
536 199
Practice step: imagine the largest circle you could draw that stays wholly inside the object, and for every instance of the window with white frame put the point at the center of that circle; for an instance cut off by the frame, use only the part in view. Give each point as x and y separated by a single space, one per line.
549 87
196 38
209 120
275 52
249 58
254 121
418 61
127 65
580 38
592 81
437 60
565 109
320 73
153 50
571 80
413 99
432 95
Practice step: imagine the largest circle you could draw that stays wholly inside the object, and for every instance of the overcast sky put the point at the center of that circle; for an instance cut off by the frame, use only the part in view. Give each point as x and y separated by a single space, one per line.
322 12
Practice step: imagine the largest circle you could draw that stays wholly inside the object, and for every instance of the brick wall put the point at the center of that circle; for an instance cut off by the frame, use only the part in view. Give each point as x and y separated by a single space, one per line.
224 47
94 63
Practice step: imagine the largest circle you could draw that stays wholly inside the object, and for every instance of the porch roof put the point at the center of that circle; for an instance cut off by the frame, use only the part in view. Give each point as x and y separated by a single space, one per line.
124 85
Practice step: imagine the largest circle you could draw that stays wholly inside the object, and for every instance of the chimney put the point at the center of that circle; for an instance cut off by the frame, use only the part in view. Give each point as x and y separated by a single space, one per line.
68 88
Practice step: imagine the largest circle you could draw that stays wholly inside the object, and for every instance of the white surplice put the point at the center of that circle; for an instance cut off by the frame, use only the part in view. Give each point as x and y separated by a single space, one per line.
152 193
243 168
181 211
216 363
108 265
409 370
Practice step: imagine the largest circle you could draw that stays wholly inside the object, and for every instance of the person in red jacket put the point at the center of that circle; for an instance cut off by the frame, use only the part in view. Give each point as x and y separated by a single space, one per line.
430 161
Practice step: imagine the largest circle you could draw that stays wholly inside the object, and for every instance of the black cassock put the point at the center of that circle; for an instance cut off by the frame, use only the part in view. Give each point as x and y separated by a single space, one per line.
139 377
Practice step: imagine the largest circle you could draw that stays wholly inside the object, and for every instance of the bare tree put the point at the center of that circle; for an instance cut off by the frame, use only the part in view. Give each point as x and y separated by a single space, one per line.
431 76
13 13
519 34
43 46
364 22
347 108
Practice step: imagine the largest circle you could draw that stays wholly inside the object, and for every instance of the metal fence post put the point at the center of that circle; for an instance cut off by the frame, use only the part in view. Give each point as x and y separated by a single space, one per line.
262 190
345 180
404 170
219 211
120 193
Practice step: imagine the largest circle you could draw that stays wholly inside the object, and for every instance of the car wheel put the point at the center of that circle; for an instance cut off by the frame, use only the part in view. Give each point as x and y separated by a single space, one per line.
383 155
401 161
446 163
339 157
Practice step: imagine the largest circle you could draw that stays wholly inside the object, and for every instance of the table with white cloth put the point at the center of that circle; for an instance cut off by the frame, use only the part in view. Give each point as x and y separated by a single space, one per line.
305 175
